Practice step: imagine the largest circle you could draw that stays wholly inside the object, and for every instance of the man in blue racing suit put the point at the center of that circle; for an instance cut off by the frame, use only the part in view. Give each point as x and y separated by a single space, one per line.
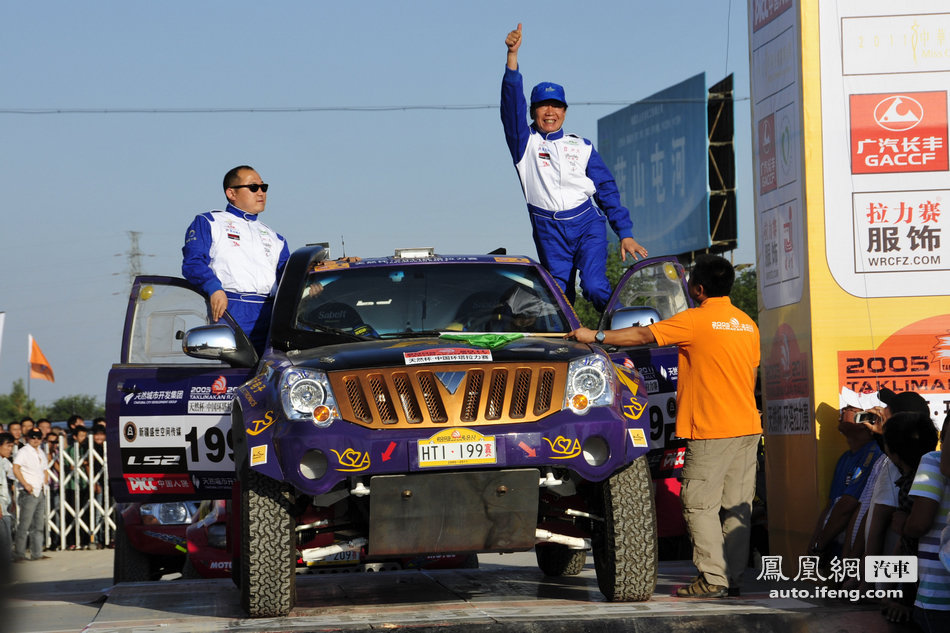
562 175
235 258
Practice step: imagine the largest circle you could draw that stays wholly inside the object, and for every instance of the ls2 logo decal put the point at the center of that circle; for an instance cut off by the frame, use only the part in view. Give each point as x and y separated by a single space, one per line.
154 460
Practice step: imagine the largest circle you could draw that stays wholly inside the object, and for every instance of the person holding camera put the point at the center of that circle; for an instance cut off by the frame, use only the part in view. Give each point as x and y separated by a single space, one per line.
851 476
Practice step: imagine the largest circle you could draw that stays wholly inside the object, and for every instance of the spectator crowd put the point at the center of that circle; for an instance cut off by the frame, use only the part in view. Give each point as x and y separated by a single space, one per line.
890 496
53 489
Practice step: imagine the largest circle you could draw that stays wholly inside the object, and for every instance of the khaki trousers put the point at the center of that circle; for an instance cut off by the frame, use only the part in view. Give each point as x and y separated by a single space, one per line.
718 488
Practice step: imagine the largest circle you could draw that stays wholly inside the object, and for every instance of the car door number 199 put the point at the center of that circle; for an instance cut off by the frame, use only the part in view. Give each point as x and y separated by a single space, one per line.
217 443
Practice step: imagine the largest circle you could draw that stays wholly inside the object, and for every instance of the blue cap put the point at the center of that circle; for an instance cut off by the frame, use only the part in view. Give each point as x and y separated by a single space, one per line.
546 91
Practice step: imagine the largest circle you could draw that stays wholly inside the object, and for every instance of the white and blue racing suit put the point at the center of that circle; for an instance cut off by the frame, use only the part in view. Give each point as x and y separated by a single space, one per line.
234 251
562 176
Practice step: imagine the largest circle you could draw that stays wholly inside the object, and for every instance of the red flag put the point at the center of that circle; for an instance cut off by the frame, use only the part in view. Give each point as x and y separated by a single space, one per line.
39 366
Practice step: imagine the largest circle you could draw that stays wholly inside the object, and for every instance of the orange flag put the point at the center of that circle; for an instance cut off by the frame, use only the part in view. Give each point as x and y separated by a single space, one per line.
39 366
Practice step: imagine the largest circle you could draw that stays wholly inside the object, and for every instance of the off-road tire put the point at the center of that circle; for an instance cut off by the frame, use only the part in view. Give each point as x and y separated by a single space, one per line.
129 564
268 552
625 542
557 560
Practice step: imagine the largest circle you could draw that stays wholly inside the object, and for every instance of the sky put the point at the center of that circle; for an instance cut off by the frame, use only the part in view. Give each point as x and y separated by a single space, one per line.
119 117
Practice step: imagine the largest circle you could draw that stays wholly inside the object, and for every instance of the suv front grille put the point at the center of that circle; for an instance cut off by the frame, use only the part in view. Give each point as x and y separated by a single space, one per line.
443 395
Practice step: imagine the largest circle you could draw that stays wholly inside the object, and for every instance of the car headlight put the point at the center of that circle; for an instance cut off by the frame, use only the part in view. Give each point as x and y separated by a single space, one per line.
306 395
175 513
588 384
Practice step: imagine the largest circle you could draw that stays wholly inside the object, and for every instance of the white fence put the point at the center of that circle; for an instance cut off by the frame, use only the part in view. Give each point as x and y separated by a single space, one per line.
80 510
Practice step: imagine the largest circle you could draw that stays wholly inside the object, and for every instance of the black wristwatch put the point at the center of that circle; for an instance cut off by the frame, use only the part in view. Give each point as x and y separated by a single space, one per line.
600 336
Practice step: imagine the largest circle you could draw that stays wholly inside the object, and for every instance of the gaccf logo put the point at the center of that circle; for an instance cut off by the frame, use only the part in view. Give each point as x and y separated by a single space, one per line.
898 113
219 386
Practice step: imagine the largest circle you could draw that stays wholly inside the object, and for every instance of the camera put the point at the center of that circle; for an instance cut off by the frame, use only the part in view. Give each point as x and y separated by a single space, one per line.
865 417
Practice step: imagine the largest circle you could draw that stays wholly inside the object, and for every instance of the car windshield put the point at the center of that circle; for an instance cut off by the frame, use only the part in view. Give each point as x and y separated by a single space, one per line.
426 299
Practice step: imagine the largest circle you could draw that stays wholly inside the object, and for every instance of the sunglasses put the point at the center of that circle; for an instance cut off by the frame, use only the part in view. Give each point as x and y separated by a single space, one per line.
253 188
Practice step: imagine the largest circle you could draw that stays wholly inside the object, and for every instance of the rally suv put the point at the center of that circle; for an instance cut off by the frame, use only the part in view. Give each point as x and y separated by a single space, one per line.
417 404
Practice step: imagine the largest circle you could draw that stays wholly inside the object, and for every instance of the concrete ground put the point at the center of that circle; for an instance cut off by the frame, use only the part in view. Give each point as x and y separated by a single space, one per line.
72 591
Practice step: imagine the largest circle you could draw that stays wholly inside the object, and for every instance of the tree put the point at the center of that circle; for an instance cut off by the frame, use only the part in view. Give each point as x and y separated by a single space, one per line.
16 404
745 295
86 406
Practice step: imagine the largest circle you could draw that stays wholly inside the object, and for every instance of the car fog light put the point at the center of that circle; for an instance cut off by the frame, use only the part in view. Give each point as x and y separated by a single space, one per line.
322 415
579 402
313 465
596 450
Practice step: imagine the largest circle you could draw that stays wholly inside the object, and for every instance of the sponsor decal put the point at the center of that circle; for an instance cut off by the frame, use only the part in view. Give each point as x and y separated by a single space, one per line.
732 325
352 461
898 132
637 437
447 355
159 484
512 260
154 396
564 448
220 564
388 453
635 407
764 11
259 426
152 460
258 455
914 358
234 236
673 458
129 431
219 386
768 180
785 384
209 406
178 541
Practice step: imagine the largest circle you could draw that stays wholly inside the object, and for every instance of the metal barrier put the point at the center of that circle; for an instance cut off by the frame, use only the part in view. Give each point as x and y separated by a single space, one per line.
75 511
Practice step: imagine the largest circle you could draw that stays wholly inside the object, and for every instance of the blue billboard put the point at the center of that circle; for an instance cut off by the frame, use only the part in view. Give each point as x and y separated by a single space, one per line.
657 151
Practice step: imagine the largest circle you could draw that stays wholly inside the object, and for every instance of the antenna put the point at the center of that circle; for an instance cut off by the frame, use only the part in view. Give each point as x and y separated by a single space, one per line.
342 245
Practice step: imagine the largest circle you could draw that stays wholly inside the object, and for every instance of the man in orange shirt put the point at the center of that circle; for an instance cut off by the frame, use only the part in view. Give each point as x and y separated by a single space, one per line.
716 411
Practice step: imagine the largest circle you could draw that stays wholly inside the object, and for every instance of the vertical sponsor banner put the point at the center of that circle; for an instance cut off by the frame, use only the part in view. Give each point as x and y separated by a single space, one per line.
885 76
775 73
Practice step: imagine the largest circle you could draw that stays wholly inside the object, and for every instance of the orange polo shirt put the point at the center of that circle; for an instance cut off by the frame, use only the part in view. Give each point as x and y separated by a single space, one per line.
718 355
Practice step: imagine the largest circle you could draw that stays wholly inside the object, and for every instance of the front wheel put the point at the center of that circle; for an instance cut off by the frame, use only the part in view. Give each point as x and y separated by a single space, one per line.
625 542
268 553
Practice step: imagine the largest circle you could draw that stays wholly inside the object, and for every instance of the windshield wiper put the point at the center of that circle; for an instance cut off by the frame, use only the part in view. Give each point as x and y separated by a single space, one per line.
326 329
411 334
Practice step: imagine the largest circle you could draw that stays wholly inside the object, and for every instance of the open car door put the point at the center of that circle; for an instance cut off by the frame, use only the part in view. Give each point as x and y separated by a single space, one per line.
652 290
168 414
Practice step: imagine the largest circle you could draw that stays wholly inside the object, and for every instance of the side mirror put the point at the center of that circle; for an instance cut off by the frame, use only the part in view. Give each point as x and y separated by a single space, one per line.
633 315
218 342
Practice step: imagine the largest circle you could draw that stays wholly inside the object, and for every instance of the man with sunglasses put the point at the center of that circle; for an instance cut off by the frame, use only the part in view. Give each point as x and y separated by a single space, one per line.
235 258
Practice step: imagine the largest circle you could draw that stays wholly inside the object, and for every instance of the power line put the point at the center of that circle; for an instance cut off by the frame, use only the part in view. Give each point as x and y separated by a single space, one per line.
305 109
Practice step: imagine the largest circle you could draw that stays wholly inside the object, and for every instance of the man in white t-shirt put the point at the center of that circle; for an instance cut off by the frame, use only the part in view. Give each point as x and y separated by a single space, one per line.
29 468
